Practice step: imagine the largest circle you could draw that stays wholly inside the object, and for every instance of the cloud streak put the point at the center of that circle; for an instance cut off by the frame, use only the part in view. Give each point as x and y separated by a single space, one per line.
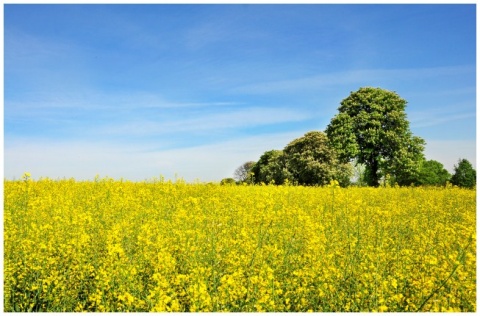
351 77
91 100
243 118
430 120
142 114
442 115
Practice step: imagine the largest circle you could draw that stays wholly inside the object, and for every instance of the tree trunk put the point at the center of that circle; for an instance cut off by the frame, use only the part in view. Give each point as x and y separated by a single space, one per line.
374 180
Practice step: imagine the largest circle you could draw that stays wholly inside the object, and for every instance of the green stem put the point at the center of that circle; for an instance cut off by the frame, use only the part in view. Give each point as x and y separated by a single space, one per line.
445 281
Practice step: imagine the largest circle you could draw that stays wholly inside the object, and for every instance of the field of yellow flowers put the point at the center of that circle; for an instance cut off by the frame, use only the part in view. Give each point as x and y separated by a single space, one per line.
114 245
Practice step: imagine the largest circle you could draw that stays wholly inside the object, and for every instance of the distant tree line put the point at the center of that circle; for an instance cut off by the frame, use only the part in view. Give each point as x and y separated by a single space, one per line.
368 143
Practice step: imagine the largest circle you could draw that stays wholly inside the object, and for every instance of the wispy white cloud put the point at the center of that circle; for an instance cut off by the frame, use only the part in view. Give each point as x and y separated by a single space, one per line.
441 115
86 99
430 120
351 77
91 114
449 92
213 122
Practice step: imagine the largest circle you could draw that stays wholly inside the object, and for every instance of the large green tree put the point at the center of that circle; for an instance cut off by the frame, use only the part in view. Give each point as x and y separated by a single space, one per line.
372 127
311 160
464 174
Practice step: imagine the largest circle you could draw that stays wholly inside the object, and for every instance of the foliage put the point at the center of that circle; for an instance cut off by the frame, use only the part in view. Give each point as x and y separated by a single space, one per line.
271 168
404 169
464 174
109 245
242 173
226 181
372 127
311 161
433 173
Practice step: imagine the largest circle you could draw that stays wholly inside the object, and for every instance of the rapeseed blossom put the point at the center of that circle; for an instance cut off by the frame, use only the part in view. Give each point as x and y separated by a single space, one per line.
109 245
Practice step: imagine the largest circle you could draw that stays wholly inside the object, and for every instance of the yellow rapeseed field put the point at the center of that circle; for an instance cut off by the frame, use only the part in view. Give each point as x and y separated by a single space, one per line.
112 245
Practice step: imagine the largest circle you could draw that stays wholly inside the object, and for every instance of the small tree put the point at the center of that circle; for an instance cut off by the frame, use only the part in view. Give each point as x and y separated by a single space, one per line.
464 176
311 160
228 181
432 172
242 172
271 167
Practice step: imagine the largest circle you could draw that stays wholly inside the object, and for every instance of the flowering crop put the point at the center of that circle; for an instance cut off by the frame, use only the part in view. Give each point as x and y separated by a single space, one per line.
108 245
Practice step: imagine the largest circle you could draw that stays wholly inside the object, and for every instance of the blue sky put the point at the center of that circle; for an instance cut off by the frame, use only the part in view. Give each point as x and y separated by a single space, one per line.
139 91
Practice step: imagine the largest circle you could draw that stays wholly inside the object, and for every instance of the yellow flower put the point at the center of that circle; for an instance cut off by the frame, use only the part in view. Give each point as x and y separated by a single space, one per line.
383 308
173 246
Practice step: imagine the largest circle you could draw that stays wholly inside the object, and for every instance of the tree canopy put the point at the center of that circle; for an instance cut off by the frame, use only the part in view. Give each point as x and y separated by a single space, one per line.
311 160
228 181
372 127
432 173
308 160
271 167
464 174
